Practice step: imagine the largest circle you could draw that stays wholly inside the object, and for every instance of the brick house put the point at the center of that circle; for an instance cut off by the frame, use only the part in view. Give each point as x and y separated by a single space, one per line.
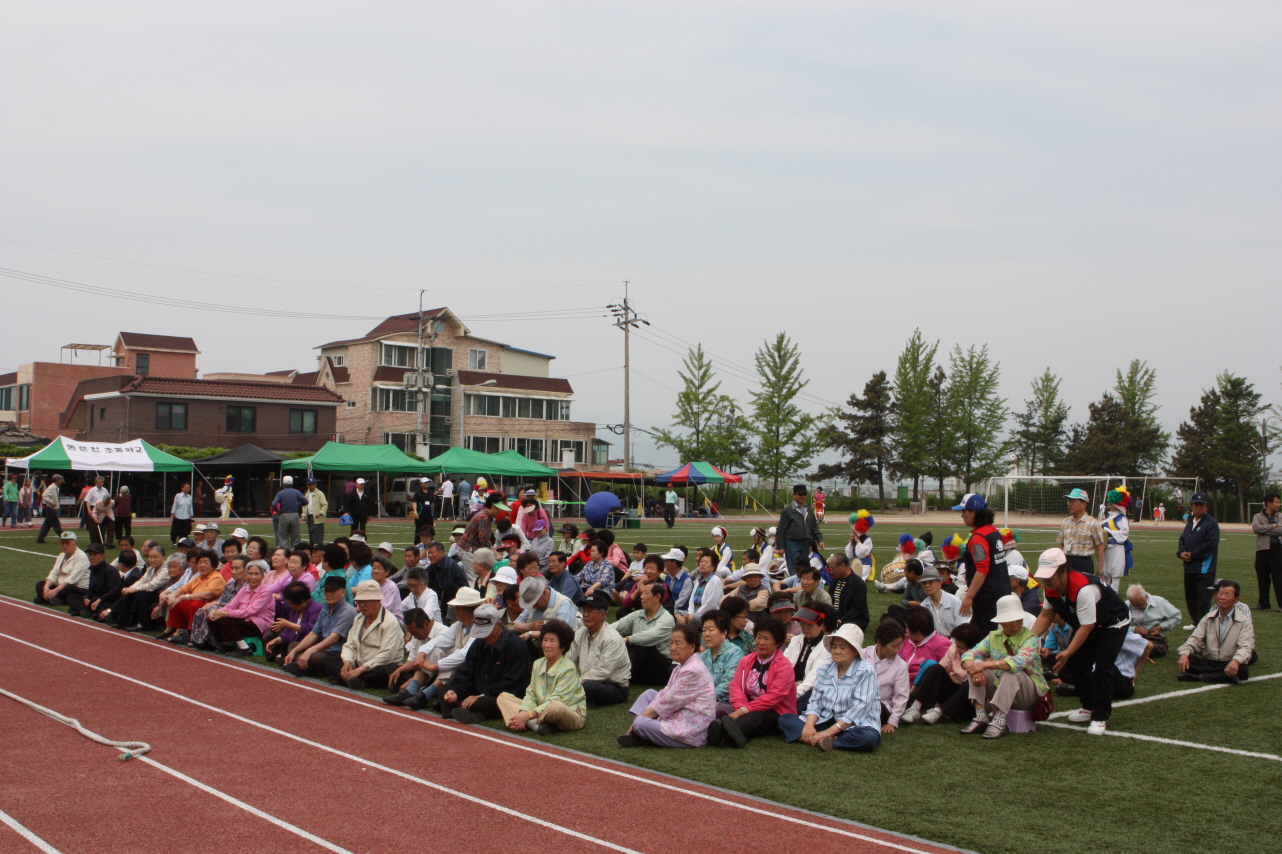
202 413
481 394
35 396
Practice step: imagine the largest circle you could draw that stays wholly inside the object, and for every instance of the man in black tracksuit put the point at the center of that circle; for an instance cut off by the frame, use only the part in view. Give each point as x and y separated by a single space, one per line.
1199 548
1099 619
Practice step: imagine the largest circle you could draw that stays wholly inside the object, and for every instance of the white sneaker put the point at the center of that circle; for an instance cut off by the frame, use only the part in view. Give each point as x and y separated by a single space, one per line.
1079 716
911 716
1096 728
1190 627
880 586
932 716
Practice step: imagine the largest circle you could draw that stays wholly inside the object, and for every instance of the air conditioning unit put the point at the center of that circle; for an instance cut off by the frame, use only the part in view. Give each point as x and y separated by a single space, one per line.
449 372
416 380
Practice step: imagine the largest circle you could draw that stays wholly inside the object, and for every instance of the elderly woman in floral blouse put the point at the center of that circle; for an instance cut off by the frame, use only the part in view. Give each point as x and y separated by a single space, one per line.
1005 670
200 636
598 573
679 715
247 615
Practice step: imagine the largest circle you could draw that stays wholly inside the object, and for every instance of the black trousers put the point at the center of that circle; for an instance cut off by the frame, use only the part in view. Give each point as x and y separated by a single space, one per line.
71 596
1093 670
51 523
982 613
485 704
1081 563
124 526
135 609
359 522
935 688
318 665
670 514
649 666
375 677
179 528
1198 588
1213 671
757 724
1268 572
232 629
603 693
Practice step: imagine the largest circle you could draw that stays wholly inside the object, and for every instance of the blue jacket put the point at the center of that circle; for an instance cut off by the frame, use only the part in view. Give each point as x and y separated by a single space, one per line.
289 500
1203 542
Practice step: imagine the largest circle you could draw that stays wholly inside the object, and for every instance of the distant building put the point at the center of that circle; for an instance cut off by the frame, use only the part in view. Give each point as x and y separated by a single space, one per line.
35 396
481 394
202 413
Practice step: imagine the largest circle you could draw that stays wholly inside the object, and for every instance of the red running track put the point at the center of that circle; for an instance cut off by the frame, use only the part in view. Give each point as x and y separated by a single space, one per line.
347 769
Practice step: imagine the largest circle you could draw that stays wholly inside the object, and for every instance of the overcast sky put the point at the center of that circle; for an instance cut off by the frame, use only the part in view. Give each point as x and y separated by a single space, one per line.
1075 185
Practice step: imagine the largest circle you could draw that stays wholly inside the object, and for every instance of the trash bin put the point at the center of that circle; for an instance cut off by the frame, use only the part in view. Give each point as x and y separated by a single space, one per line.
633 522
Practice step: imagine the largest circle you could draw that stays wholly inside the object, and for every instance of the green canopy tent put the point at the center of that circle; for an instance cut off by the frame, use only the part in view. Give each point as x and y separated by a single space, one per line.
341 457
525 467
506 464
63 454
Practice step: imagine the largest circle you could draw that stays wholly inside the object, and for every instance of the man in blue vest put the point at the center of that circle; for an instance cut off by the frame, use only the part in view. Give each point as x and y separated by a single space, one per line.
1099 620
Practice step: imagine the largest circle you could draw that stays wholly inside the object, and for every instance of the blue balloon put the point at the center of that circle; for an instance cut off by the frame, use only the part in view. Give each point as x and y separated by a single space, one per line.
598 508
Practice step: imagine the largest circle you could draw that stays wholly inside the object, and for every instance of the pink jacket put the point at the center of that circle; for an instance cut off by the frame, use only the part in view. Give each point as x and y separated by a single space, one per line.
617 558
952 663
781 686
526 519
932 648
255 605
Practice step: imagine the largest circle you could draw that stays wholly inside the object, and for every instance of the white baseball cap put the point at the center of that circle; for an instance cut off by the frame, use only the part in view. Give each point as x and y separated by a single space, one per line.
386 547
360 480
287 480
675 554
240 534
1050 562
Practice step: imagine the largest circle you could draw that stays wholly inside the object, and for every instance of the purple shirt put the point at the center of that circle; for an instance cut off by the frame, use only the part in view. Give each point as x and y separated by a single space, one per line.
306 619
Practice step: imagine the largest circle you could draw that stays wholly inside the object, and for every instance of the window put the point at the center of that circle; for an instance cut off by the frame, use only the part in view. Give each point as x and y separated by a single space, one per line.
24 397
484 444
397 356
440 361
529 448
240 419
302 420
404 441
102 413
338 361
523 407
509 407
571 445
6 397
393 400
476 360
600 452
142 364
551 411
349 404
484 404
171 416
536 408
565 410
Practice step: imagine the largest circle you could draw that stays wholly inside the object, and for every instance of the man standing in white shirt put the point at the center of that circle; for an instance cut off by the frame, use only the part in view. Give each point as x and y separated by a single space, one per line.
447 498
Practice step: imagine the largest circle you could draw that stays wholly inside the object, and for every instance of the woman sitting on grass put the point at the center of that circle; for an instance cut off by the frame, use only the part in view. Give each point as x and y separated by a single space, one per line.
200 634
296 614
247 615
763 688
554 699
845 709
720 657
679 715
891 670
206 586
942 691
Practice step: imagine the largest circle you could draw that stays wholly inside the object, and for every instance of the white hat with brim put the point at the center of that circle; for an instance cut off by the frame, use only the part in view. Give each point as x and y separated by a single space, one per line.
675 554
367 590
531 590
386 547
506 575
1009 609
848 632
483 622
467 597
752 569
1050 562
240 534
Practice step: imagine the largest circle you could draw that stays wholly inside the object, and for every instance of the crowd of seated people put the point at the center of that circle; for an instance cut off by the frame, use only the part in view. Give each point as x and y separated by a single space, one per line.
525 637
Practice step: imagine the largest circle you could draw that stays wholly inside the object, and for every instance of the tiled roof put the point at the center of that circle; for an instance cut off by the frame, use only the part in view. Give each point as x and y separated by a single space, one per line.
388 374
147 341
233 389
514 381
308 378
283 373
390 326
341 375
9 378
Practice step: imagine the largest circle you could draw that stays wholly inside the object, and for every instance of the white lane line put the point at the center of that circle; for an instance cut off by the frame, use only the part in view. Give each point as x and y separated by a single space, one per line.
1172 694
375 705
252 810
26 552
27 834
335 751
1172 741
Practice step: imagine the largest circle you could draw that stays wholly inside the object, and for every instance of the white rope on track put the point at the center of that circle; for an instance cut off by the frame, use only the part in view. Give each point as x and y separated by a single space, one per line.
131 748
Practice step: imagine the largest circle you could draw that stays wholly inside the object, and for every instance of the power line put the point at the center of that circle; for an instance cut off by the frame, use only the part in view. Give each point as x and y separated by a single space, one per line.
296 281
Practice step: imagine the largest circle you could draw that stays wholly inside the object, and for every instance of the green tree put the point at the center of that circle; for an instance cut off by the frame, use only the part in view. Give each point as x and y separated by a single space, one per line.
979 415
1113 441
865 442
1135 390
910 436
786 437
1040 439
1195 442
1238 454
940 446
728 441
701 411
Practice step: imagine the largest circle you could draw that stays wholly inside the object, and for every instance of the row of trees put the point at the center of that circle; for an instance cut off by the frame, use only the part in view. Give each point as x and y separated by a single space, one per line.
941 417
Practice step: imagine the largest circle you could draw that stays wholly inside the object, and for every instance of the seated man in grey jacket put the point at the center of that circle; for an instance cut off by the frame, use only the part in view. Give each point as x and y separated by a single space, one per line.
1151 617
1223 643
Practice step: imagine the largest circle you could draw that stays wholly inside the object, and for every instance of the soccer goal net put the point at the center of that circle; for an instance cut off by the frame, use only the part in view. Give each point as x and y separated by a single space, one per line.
1025 497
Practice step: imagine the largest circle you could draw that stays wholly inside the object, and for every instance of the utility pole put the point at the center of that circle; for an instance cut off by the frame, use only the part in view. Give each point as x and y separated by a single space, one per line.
419 402
625 318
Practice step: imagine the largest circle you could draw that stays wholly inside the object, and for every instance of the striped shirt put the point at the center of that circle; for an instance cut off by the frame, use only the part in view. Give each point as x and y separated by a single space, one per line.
1080 537
852 699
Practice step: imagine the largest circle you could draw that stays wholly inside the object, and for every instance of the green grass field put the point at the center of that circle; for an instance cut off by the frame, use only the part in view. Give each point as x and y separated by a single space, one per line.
1053 791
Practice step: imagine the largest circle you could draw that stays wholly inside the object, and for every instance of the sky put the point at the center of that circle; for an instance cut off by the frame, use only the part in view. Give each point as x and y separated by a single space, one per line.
1074 185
